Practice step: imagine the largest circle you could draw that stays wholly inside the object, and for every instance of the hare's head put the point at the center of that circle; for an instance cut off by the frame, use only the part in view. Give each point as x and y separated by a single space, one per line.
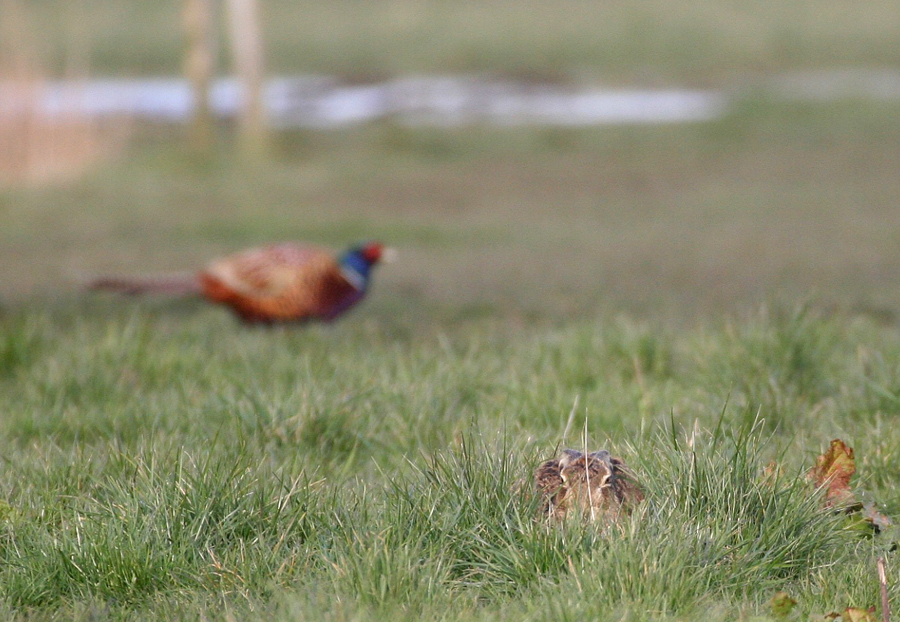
588 477
595 484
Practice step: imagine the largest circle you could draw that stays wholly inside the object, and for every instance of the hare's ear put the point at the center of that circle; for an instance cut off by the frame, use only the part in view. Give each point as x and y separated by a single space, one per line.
569 456
604 458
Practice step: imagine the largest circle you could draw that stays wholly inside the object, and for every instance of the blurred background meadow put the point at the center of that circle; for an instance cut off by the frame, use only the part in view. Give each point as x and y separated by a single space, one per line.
657 279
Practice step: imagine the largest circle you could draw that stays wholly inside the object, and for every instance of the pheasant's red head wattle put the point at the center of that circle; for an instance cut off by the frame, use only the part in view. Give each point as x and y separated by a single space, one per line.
372 252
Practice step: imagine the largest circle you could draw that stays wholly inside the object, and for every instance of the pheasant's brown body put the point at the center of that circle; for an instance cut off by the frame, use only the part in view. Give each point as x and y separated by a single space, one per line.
277 283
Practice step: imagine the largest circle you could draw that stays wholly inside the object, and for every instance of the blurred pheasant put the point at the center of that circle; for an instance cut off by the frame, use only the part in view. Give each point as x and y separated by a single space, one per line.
597 485
278 283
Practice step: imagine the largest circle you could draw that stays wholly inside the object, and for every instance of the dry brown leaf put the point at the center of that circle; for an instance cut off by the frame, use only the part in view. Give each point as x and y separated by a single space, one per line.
833 470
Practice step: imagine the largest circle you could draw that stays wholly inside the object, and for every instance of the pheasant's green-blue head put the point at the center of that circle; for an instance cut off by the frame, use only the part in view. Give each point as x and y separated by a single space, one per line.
358 261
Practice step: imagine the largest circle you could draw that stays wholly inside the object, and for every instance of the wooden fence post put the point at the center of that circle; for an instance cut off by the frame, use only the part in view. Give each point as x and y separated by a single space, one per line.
247 47
199 66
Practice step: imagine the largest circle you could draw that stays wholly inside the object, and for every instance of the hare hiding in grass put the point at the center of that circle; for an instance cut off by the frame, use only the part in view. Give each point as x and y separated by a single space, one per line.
596 484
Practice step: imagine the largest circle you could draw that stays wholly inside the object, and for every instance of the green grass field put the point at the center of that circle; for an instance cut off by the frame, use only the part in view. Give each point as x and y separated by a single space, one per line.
164 463
703 299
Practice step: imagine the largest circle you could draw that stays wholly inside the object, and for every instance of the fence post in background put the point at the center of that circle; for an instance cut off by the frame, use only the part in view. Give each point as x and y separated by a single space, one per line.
199 66
247 47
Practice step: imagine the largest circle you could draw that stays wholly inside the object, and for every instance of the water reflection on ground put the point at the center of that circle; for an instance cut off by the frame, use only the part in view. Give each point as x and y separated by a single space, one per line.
317 101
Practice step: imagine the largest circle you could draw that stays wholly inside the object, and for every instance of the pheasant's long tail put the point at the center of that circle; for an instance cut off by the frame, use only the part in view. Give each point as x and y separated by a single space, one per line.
176 284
